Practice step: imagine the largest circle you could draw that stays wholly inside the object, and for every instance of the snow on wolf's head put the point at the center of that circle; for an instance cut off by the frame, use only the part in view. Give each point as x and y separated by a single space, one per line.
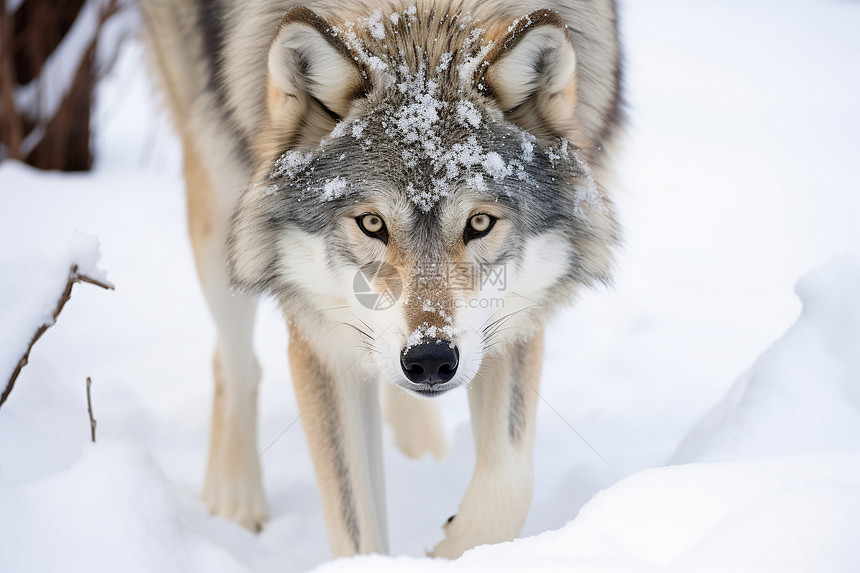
419 194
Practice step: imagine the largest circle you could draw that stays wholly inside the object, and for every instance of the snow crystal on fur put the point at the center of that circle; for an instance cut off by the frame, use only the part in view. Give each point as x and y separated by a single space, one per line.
468 114
427 332
334 188
290 163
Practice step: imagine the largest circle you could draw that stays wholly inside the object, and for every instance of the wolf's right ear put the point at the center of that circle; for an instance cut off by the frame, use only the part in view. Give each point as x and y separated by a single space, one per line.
313 75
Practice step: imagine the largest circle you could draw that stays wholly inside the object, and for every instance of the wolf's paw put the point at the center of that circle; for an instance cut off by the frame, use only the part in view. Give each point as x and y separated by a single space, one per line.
241 503
493 510
455 542
414 444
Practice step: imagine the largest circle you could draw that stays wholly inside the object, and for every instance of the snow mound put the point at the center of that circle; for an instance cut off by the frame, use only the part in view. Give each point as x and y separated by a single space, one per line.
113 510
803 394
792 513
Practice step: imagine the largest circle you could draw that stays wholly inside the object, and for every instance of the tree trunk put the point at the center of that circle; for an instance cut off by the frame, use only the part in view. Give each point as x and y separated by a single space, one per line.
45 118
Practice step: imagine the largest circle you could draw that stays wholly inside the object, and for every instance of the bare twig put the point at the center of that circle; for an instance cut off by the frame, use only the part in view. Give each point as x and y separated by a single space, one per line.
90 410
74 277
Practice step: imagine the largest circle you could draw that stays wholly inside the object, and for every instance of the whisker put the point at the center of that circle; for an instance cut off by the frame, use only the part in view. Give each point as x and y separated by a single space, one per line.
489 318
358 330
367 326
534 302
333 308
506 317
494 343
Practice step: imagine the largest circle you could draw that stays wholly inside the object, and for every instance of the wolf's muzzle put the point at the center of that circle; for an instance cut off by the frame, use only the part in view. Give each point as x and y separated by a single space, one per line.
429 364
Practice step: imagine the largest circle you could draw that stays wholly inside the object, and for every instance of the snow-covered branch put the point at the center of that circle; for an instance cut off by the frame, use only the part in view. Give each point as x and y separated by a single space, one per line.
74 277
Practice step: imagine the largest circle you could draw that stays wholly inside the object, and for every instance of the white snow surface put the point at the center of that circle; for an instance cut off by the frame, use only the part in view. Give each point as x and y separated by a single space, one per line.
739 177
820 357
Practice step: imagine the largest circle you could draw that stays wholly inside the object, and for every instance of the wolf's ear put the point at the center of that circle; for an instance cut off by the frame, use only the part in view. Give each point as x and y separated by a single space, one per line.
313 75
531 73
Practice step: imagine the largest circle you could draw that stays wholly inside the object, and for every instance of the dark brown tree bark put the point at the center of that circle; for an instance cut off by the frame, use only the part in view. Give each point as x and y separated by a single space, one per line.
28 38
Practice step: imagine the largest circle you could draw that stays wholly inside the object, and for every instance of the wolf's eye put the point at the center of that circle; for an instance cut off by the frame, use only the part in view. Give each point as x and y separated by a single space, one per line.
372 225
478 226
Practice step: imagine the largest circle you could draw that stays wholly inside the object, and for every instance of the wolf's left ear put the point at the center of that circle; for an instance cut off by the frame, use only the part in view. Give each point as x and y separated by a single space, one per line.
531 73
313 75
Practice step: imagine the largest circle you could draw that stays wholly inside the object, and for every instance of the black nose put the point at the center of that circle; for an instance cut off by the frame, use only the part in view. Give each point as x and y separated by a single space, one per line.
433 362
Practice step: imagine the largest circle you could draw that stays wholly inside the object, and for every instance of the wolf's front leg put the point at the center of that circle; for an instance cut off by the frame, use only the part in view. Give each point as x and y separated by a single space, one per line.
341 418
416 423
234 485
503 400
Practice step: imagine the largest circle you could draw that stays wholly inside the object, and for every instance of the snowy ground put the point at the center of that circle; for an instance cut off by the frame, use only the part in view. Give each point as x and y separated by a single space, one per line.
740 175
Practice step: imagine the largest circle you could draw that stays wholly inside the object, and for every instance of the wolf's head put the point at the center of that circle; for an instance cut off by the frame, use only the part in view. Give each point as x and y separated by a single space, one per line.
421 192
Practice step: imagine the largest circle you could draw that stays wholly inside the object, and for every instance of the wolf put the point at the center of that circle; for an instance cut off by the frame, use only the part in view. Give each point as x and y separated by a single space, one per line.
387 169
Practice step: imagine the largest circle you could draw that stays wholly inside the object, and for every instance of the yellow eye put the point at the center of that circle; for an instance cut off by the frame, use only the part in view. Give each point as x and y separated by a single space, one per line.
480 222
372 223
373 226
478 226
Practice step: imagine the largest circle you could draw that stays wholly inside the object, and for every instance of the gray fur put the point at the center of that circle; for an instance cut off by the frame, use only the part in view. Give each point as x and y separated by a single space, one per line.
541 199
516 415
328 402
